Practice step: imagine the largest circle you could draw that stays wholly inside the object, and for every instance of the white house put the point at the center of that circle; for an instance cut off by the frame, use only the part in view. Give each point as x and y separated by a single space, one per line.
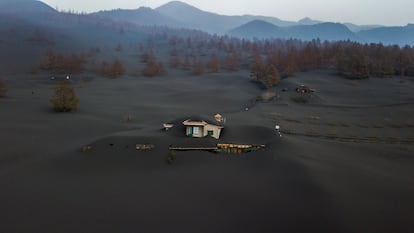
202 128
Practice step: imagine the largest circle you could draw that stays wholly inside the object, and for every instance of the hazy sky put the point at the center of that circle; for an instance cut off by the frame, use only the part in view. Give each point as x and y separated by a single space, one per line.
386 12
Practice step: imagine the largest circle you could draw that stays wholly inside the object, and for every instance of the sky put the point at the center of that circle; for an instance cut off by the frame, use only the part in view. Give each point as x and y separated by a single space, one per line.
384 12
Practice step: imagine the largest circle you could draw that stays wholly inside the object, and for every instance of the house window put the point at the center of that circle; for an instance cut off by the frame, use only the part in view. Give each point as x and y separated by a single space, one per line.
210 132
196 130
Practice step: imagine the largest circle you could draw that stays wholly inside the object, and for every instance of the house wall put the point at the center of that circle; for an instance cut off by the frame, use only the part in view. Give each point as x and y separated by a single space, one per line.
192 130
216 130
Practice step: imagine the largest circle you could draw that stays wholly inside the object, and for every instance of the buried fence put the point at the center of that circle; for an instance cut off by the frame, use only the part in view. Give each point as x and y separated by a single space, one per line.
223 148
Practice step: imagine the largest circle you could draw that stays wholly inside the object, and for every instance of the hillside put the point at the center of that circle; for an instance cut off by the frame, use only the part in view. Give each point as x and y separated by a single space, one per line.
141 16
258 29
323 31
182 15
210 22
390 35
24 7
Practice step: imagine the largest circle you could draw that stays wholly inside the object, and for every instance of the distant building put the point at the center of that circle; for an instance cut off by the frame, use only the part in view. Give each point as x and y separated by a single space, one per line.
199 128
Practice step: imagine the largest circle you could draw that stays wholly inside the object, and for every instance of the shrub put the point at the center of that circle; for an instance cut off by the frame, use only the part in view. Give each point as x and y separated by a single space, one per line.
3 88
64 99
171 157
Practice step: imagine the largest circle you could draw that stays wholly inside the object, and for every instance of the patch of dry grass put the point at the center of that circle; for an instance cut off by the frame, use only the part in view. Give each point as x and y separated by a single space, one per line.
276 117
377 125
362 125
331 124
397 125
332 132
292 120
314 120
128 118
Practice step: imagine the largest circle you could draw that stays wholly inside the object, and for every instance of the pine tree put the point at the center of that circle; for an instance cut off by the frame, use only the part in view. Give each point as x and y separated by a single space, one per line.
198 68
359 68
117 68
291 68
175 61
257 68
272 77
213 64
104 69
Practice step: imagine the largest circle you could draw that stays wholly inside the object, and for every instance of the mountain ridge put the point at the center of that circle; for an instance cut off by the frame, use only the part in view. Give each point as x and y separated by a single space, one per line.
177 14
322 31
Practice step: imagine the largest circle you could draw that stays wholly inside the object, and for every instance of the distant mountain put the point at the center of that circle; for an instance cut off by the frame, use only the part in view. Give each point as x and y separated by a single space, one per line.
210 22
31 14
390 35
23 22
308 21
357 28
323 31
142 15
24 7
258 29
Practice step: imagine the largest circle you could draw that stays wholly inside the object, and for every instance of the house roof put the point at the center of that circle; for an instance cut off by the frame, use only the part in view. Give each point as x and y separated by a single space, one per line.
191 122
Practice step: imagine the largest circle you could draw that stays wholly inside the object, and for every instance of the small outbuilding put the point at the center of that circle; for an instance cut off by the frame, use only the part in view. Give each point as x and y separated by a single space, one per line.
199 128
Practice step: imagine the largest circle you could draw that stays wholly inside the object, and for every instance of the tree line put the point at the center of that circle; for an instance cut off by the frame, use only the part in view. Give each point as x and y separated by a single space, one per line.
200 53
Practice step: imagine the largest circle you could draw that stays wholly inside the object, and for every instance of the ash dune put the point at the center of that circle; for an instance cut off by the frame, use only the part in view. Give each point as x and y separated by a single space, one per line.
324 184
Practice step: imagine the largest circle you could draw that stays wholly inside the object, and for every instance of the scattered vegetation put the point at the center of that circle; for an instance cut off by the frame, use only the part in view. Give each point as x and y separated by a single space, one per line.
62 63
64 99
294 120
314 120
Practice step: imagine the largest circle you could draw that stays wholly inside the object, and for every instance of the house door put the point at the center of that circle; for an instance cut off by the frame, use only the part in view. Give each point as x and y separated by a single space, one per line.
189 131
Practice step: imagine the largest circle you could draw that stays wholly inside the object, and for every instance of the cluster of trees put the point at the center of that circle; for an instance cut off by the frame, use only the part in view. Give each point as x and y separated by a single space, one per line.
268 75
361 61
199 53
355 60
112 69
61 63
153 67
